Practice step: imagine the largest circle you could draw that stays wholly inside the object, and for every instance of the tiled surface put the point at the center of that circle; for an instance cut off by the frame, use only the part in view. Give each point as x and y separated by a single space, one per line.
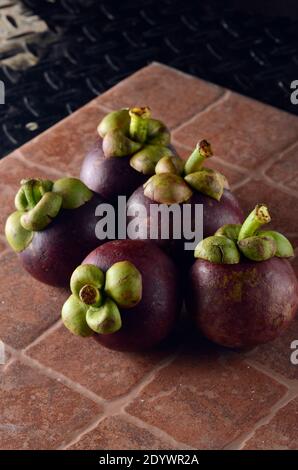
116 433
61 392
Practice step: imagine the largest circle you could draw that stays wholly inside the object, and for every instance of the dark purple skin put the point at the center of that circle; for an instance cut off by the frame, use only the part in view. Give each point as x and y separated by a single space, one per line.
56 251
245 304
216 214
109 177
153 318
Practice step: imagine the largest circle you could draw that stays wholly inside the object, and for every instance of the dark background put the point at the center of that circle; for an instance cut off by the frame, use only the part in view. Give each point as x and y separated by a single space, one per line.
250 47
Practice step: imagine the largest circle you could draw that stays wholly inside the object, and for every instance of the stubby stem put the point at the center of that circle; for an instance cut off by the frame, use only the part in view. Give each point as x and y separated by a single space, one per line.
139 123
196 159
90 295
258 217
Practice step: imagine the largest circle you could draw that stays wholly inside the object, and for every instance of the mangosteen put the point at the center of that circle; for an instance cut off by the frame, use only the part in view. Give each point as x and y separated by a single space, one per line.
130 144
189 183
242 289
53 228
126 294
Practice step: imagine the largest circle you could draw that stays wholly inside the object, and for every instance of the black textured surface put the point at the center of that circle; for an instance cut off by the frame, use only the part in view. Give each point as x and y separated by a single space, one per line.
95 44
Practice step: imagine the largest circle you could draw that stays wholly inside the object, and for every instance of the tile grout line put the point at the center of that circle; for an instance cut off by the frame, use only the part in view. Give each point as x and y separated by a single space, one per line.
39 166
221 99
22 357
51 329
157 432
118 405
240 442
288 383
290 394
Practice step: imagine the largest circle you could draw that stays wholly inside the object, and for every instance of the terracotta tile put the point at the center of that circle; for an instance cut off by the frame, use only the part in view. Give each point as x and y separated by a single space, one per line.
116 433
64 146
3 245
105 372
242 131
285 170
280 204
206 401
38 412
27 307
12 171
173 96
280 433
234 176
276 355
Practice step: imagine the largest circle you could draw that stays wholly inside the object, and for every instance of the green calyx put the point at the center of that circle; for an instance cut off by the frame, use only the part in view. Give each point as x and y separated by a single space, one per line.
146 159
97 296
124 284
230 231
38 202
202 179
132 132
218 249
17 236
167 188
175 181
284 248
233 240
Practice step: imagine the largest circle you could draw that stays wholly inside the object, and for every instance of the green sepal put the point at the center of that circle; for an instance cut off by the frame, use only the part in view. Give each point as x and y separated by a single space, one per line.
145 160
124 284
218 249
74 317
257 248
105 319
73 191
17 236
284 248
42 214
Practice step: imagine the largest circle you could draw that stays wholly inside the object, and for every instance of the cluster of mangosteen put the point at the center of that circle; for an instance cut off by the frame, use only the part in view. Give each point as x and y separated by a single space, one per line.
241 290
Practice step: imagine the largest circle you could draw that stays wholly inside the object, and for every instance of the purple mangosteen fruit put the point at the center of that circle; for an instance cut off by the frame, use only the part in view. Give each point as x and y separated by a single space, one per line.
53 228
186 184
242 289
130 144
126 294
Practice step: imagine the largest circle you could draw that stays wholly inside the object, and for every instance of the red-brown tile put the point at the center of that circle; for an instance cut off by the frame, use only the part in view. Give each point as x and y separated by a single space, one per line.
280 433
3 245
241 131
172 96
116 433
276 355
206 402
38 412
105 372
234 176
285 170
27 307
280 204
64 146
12 171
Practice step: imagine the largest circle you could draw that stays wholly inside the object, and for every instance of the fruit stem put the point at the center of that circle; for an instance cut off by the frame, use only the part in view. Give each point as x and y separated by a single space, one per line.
258 217
139 123
89 294
196 159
